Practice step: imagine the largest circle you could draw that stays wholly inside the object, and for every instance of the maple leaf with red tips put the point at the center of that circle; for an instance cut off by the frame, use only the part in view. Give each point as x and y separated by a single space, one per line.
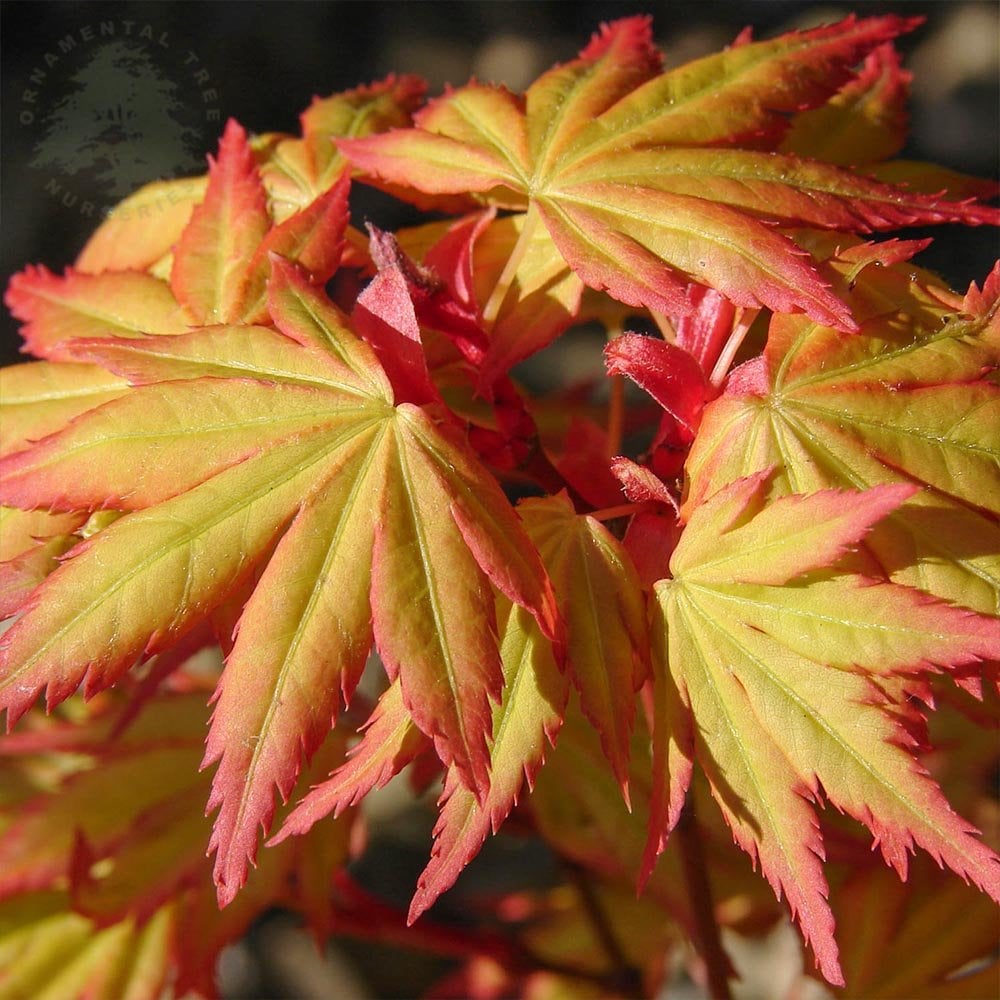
602 603
219 270
528 717
751 623
125 835
390 741
908 399
638 176
291 444
224 231
141 231
56 308
228 484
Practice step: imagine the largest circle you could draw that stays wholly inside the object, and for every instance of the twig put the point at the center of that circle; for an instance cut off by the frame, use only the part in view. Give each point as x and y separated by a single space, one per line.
699 891
626 979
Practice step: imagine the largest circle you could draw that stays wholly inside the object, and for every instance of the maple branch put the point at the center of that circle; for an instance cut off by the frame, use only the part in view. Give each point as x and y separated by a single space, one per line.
492 308
365 916
699 889
626 978
381 922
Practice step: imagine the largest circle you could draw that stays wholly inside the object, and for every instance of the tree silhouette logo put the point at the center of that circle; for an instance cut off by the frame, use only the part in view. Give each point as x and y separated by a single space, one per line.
118 112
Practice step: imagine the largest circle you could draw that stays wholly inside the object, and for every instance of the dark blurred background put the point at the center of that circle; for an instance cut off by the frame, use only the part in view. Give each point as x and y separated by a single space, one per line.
263 62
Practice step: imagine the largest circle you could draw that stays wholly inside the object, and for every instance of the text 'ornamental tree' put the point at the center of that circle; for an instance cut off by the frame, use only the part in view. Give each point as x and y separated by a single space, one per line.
730 606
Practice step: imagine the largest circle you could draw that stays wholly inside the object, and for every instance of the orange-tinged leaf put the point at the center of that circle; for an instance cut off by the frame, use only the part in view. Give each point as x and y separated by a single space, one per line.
747 91
638 178
528 717
781 682
161 440
143 581
223 352
780 188
297 171
373 107
212 257
561 102
142 229
906 400
789 537
768 810
487 522
457 148
390 740
447 658
313 237
864 122
38 398
301 645
225 480
616 237
115 304
399 507
601 600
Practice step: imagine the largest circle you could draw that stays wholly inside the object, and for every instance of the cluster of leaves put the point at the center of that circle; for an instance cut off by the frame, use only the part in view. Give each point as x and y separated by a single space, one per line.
253 428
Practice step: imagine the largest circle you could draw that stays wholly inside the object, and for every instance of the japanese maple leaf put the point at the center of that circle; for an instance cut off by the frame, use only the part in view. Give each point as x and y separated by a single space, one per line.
770 676
547 295
602 603
141 231
247 451
647 181
908 399
891 940
126 833
528 717
219 270
220 265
